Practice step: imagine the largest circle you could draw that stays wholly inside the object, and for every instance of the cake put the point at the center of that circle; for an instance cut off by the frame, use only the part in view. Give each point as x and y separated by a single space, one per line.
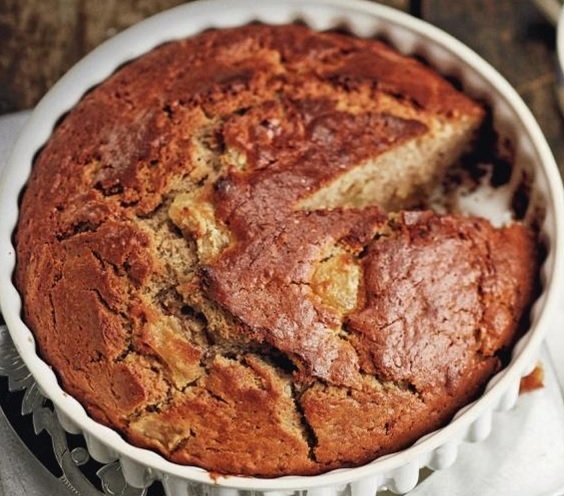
220 253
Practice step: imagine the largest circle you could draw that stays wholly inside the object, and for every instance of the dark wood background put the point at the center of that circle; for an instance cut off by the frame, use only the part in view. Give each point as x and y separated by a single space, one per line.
41 39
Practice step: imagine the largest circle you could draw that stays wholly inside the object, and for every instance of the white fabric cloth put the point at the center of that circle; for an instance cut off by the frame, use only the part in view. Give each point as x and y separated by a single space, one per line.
524 455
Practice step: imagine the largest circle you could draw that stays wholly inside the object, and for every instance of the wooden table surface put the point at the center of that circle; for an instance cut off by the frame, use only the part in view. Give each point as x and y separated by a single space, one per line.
41 39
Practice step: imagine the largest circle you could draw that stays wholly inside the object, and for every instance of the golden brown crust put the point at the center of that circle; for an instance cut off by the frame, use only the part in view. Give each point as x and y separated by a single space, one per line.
440 293
207 261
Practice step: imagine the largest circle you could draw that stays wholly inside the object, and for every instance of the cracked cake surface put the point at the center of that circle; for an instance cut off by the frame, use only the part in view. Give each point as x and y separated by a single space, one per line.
219 253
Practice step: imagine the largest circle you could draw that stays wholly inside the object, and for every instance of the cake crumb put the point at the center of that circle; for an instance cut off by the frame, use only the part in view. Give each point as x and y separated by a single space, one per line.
533 381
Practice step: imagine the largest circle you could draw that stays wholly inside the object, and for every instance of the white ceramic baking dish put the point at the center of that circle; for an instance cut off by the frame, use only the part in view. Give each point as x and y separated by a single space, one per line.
398 472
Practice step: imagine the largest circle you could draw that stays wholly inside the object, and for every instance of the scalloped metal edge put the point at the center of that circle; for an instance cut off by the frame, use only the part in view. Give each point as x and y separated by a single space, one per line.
398 472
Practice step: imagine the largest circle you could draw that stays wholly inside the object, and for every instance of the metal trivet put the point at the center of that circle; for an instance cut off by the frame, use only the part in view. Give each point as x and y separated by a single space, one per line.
80 474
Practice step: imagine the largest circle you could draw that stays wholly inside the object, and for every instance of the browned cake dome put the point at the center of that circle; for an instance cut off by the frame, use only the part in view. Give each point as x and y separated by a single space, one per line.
215 257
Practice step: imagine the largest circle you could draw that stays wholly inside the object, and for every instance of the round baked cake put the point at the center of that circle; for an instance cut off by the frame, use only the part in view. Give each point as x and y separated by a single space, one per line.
217 255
